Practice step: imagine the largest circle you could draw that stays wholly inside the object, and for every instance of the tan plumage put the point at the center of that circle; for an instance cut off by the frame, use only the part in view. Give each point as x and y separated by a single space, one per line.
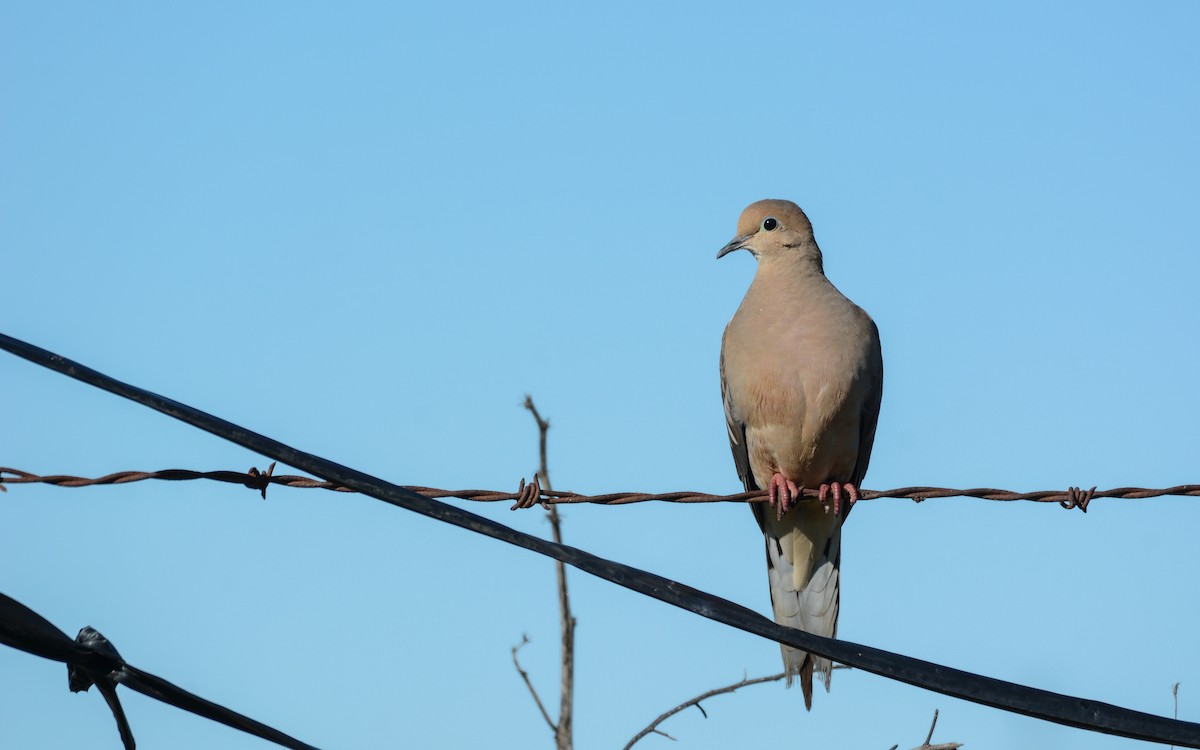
801 377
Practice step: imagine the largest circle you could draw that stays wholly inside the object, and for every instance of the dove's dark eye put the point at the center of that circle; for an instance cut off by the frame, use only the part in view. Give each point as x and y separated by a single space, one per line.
769 224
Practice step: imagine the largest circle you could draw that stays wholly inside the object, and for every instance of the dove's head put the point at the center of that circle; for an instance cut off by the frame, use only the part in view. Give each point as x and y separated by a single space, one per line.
773 229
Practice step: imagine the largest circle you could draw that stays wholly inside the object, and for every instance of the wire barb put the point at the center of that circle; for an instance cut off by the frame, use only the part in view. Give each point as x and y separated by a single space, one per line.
1077 498
260 480
529 494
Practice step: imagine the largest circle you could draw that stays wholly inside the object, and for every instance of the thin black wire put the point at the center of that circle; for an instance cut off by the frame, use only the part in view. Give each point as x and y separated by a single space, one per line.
91 660
1042 704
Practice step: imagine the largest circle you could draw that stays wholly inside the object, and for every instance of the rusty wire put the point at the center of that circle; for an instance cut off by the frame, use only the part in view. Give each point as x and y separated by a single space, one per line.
530 494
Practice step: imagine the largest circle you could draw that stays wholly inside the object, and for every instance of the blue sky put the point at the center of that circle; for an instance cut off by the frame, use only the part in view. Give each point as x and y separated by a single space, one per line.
369 229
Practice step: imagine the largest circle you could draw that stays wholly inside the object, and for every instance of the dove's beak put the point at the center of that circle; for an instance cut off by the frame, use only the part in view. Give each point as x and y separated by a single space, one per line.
737 243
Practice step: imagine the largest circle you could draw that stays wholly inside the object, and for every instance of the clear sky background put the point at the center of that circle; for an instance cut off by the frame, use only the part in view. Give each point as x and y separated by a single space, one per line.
368 230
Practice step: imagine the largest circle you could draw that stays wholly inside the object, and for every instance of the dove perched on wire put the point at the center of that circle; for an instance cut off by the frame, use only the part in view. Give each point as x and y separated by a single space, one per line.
801 377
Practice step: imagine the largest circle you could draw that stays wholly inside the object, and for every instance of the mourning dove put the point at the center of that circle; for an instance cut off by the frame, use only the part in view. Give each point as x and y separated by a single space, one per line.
801 377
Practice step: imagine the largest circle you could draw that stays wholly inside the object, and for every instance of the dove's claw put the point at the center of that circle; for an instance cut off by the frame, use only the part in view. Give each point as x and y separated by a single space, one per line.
782 493
835 489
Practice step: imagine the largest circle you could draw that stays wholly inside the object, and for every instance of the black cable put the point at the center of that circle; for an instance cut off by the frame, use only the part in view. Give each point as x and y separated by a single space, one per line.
92 660
988 691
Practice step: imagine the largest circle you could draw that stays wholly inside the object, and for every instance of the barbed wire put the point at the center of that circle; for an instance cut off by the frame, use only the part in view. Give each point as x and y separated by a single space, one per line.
1043 704
531 494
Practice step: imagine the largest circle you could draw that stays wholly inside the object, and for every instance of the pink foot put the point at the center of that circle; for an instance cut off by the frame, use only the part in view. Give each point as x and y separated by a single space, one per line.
836 490
781 493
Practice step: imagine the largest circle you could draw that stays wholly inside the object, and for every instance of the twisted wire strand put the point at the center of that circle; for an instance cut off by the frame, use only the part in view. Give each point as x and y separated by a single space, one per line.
531 494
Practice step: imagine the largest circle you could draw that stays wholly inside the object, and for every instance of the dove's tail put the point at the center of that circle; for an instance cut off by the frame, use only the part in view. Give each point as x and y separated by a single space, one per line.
803 558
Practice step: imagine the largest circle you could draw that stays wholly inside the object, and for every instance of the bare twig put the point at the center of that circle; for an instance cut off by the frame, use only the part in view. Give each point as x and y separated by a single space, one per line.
932 724
529 684
563 730
1175 694
1073 497
941 746
652 727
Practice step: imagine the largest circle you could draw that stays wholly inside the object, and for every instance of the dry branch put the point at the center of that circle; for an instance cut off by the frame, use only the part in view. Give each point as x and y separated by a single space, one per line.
529 683
929 737
563 730
652 727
